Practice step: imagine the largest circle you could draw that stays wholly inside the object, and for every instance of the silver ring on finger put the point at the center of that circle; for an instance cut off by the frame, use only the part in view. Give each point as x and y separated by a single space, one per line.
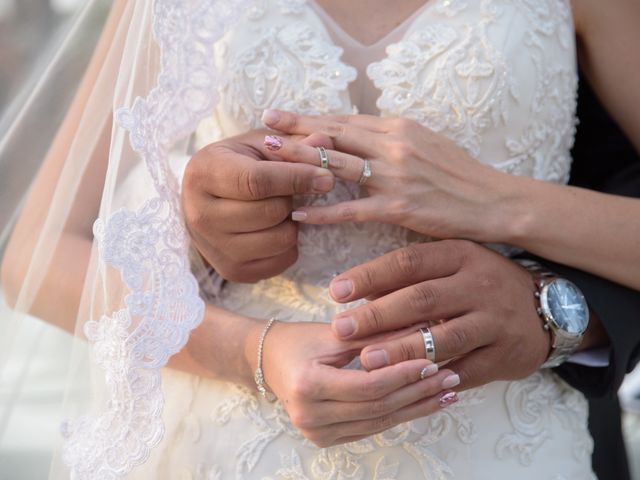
366 172
429 345
324 157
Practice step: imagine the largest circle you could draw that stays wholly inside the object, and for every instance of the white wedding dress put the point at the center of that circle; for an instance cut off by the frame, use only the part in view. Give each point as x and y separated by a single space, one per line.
498 77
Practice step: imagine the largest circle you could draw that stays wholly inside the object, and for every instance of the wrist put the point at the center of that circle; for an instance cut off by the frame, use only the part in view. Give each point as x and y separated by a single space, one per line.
505 214
252 344
522 212
595 336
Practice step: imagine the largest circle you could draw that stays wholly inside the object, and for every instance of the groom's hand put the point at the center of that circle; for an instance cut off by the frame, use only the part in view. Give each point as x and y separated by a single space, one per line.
237 204
480 304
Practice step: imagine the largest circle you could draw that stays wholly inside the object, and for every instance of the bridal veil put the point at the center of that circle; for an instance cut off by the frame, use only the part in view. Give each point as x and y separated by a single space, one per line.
123 287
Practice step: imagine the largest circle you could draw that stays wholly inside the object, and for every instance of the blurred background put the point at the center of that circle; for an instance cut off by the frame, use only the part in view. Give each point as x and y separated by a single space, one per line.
31 34
28 28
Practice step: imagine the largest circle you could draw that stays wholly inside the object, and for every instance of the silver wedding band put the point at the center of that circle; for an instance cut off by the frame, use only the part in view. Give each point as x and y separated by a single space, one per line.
366 172
324 157
429 345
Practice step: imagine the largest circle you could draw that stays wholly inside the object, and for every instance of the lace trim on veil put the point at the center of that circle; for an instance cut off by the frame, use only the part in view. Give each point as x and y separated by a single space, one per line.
150 248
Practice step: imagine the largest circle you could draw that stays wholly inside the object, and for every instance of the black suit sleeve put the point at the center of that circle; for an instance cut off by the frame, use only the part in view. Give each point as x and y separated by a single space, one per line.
605 161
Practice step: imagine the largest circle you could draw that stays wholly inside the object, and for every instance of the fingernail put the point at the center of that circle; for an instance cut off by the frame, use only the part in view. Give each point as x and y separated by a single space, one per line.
299 216
322 183
451 381
448 398
273 143
341 288
377 359
269 117
345 326
428 371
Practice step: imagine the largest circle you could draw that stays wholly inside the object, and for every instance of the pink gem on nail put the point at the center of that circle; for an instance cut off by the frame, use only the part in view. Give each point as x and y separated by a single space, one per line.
273 143
448 398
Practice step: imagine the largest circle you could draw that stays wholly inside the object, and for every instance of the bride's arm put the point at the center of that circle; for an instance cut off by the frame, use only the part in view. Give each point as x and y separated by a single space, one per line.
593 231
58 296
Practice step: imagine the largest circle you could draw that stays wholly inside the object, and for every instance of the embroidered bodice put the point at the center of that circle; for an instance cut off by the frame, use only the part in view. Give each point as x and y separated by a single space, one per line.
496 76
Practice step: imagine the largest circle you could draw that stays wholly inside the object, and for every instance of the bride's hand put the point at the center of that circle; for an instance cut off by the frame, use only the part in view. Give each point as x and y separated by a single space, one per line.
420 179
302 364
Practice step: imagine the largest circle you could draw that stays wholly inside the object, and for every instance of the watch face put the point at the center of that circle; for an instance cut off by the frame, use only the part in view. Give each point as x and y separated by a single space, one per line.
566 305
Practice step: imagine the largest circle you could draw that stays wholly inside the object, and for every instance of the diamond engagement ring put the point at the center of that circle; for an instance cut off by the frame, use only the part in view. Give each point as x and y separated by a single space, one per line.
429 346
366 172
324 157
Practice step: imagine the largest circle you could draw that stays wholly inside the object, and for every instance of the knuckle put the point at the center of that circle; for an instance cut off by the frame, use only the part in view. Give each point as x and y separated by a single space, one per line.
235 272
301 183
319 440
400 209
457 338
196 168
276 210
335 130
408 261
338 162
289 121
380 407
191 177
423 297
347 213
303 387
400 150
403 124
255 183
383 422
344 119
366 280
302 420
194 217
287 235
373 318
407 350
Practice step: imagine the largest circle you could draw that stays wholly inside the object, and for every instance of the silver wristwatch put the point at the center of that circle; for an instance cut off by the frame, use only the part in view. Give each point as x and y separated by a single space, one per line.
563 309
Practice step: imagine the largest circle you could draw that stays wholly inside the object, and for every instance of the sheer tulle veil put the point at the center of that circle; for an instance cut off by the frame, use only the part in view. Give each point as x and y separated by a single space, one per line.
85 255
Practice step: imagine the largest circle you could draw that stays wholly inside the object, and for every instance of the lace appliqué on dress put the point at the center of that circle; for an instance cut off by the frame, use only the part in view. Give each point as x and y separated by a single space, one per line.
288 67
456 81
451 80
352 460
531 404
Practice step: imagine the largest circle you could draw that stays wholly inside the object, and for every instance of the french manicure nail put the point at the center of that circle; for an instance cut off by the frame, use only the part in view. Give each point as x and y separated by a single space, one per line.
377 359
270 117
299 216
345 326
428 371
273 143
448 398
323 183
341 288
451 381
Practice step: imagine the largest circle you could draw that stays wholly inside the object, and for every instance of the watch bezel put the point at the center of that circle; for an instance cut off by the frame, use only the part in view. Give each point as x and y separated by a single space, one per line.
546 310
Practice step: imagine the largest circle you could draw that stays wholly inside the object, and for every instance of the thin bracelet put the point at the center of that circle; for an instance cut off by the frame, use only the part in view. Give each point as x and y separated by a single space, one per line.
259 375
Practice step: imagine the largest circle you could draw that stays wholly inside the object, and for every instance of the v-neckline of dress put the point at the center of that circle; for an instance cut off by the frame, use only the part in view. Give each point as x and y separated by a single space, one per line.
347 37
